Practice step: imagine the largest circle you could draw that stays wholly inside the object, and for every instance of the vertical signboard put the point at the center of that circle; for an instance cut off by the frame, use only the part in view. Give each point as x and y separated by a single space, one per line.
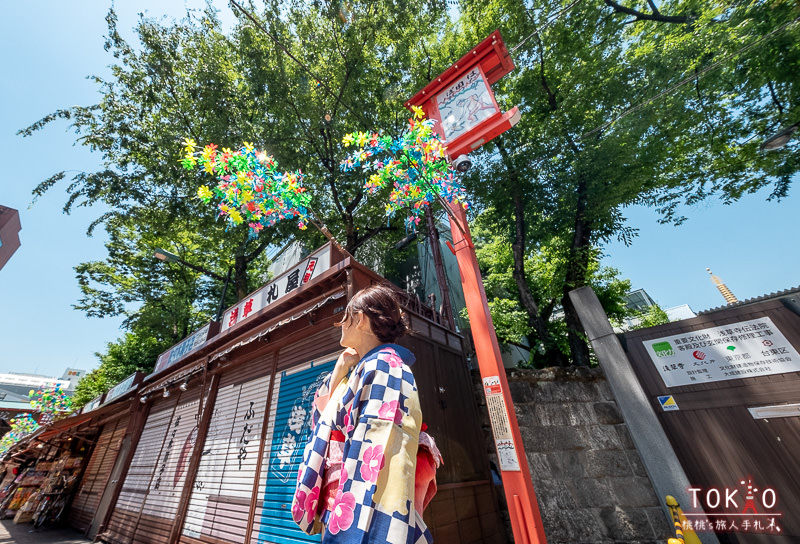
221 496
291 427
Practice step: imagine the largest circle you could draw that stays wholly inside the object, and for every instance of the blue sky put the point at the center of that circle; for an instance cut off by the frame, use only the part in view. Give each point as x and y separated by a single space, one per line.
50 49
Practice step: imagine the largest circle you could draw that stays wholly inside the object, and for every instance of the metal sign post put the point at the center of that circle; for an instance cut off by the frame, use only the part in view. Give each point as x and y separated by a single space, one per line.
462 101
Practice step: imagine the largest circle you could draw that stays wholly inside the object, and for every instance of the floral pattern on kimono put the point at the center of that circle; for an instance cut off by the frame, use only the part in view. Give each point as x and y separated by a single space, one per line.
380 417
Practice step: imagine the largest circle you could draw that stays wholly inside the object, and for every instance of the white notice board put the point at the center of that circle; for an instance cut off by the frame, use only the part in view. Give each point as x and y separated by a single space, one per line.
729 352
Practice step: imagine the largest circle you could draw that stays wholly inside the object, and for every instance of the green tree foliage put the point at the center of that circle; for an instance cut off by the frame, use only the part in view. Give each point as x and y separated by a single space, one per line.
190 79
622 103
545 271
651 317
134 352
609 119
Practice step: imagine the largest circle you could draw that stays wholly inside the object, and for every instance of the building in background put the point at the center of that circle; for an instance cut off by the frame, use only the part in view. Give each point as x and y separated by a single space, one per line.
15 389
640 301
18 383
9 233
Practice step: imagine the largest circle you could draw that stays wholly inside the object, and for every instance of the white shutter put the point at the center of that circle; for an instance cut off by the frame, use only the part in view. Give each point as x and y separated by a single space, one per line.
222 492
147 503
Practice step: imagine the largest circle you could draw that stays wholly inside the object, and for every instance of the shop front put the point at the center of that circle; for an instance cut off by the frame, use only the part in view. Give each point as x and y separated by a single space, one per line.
225 423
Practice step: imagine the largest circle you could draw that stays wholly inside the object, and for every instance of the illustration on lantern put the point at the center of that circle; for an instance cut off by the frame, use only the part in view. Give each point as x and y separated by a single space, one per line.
466 104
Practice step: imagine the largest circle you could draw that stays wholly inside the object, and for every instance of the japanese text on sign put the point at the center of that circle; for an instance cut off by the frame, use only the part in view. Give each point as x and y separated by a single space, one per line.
501 427
292 279
739 350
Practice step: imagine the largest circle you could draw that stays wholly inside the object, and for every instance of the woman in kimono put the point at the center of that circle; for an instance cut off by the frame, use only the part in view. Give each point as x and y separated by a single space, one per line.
367 415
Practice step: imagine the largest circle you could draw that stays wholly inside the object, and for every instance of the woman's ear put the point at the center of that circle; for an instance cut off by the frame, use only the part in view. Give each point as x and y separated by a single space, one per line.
363 323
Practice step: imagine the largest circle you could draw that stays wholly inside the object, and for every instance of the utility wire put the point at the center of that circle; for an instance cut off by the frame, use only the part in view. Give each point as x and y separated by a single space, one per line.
544 25
297 61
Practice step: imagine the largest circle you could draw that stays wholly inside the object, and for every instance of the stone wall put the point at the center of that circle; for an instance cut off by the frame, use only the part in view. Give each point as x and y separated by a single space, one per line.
589 480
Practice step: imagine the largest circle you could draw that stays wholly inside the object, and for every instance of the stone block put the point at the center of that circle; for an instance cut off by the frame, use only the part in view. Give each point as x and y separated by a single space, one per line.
607 413
521 391
662 526
604 391
566 464
633 491
549 414
555 494
635 462
564 392
555 522
606 464
586 527
538 463
624 436
548 439
625 525
580 413
602 437
592 493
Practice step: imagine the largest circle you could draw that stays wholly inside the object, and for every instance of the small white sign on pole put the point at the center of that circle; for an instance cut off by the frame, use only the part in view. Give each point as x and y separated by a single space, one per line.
501 427
740 350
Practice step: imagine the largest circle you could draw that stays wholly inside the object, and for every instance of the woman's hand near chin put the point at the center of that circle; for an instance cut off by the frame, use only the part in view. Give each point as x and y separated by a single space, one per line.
347 360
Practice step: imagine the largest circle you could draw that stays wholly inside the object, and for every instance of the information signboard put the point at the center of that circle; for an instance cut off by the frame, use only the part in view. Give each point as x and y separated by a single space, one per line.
740 350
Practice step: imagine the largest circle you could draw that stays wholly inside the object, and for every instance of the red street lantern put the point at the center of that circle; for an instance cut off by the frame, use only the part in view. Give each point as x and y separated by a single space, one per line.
461 99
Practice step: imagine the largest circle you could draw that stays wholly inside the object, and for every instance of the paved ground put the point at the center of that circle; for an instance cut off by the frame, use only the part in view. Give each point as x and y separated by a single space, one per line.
24 534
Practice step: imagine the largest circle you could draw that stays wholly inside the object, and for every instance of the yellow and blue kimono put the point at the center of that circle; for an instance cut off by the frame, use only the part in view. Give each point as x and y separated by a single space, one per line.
379 415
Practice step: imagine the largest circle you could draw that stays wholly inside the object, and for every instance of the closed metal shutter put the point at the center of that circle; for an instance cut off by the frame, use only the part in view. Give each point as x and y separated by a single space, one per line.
147 503
164 494
95 477
288 432
222 493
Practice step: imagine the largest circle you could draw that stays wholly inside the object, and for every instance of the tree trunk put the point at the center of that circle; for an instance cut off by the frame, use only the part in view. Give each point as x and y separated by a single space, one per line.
552 354
576 277
240 276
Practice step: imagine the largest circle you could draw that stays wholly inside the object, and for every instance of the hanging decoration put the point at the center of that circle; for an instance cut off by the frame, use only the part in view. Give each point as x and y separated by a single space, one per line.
249 188
21 426
50 400
414 166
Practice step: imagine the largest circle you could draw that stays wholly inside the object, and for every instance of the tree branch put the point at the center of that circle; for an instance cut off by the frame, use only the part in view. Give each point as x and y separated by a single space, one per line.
642 16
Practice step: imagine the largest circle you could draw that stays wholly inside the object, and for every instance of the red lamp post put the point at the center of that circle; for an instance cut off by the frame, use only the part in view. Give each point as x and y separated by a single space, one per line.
462 101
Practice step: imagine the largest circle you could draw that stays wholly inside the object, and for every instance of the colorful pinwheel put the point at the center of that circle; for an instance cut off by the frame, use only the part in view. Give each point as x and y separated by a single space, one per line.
251 189
249 186
415 166
21 426
50 400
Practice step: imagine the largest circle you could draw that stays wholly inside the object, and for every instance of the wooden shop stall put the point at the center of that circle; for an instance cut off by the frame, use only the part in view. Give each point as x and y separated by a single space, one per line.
224 424
49 463
111 415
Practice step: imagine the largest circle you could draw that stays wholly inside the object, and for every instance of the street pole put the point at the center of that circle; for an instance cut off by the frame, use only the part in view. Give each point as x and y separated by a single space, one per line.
523 509
438 264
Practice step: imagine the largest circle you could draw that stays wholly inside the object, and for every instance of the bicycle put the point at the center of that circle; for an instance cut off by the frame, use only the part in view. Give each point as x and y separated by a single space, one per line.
50 509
